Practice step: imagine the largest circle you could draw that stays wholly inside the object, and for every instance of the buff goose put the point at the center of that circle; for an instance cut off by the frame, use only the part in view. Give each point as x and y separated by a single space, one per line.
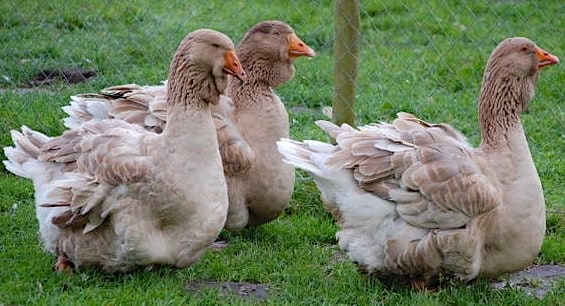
261 194
112 195
414 199
259 184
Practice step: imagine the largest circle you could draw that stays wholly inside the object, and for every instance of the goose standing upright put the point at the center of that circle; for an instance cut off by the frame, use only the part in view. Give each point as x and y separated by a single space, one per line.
113 195
414 199
248 125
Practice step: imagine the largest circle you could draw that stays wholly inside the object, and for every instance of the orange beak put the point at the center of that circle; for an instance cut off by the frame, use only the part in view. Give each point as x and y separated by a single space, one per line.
545 58
297 48
233 66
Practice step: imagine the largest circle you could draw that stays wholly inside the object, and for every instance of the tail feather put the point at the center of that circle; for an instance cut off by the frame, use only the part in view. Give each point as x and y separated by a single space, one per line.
308 156
23 144
26 149
363 218
332 129
23 157
23 160
83 108
38 139
121 90
311 156
15 161
139 105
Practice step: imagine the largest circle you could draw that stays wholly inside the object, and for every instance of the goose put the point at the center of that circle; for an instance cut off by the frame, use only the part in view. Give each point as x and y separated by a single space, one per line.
267 53
249 121
414 200
115 196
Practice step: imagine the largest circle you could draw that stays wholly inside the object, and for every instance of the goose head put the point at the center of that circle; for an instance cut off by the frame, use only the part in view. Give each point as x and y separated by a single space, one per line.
520 57
205 53
518 61
269 48
509 84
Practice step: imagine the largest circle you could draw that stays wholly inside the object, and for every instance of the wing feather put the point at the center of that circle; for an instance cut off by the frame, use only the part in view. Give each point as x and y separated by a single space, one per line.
427 169
105 156
146 106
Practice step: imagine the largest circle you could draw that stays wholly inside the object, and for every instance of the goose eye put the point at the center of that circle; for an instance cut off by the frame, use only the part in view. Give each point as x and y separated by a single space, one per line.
215 45
524 48
277 33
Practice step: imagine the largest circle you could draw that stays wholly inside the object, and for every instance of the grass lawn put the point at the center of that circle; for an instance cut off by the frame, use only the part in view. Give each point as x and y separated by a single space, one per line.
426 59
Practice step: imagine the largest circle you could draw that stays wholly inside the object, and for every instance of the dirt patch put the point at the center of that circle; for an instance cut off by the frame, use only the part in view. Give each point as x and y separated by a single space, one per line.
536 280
257 292
46 77
69 76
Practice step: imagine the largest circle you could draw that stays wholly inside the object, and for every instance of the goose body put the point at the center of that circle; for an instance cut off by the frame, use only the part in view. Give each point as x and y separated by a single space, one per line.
414 199
267 52
249 120
113 195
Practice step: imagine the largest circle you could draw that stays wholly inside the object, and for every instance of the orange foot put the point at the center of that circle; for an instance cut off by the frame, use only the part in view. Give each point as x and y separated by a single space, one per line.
64 265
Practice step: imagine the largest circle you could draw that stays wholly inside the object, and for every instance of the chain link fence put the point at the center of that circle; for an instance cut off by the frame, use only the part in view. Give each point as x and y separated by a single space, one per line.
409 50
435 51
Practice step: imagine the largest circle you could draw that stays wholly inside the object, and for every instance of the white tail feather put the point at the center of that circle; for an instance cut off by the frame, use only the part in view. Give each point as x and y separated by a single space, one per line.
22 158
308 156
23 161
15 161
84 108
364 218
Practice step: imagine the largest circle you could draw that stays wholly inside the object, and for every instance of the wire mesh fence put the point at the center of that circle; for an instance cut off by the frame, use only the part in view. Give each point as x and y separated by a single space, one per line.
409 50
434 50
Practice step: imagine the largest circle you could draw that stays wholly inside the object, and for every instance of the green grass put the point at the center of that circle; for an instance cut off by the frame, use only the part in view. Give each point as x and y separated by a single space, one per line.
426 59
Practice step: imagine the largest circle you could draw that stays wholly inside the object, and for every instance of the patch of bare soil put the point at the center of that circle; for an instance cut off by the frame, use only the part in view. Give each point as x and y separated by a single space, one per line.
70 76
50 77
257 292
536 280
